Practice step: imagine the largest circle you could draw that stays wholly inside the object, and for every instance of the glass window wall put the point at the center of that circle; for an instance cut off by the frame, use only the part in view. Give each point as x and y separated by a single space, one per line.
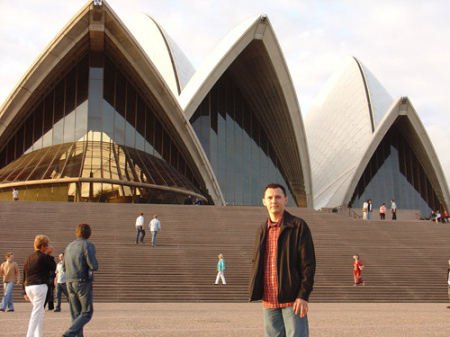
237 145
96 112
395 172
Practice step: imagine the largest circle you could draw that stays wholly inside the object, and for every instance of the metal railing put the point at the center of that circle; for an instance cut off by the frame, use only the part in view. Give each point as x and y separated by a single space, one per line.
342 209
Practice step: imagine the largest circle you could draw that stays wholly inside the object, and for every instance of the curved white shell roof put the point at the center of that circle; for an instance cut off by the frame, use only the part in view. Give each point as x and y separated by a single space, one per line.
345 125
293 148
215 64
168 58
339 128
380 99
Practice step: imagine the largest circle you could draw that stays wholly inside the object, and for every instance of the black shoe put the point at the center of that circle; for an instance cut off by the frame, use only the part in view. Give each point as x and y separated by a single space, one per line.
57 310
10 310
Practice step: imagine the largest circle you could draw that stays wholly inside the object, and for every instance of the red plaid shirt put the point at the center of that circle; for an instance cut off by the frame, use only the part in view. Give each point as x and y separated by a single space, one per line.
270 296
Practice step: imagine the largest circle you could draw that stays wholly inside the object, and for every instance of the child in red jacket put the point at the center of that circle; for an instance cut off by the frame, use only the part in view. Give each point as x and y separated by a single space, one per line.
357 267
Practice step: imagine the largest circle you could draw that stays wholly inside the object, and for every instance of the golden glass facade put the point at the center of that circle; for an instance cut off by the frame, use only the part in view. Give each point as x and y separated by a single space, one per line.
93 138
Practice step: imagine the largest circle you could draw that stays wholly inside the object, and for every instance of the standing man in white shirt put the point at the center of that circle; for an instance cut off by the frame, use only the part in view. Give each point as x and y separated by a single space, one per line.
60 283
140 228
394 210
155 226
15 194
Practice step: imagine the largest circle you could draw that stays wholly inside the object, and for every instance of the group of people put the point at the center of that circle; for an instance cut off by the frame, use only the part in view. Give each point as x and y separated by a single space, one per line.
155 227
367 209
74 277
189 201
282 274
438 217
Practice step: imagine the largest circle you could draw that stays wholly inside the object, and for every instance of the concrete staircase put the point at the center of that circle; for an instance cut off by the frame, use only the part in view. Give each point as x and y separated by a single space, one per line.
406 261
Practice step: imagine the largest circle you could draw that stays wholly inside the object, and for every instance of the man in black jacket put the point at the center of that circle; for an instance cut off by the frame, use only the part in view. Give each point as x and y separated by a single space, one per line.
283 270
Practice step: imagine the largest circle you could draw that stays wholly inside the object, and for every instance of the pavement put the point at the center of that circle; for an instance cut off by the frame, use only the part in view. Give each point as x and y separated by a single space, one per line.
238 319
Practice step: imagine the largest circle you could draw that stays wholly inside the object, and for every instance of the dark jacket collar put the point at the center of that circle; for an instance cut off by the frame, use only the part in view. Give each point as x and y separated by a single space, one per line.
286 223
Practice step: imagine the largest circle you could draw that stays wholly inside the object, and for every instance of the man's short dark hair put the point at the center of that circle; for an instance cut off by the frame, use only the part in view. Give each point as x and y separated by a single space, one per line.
83 231
274 186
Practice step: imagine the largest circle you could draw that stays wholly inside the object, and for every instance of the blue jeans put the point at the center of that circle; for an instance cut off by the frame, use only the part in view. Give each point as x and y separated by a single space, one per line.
284 322
368 215
154 238
60 288
81 308
7 302
138 232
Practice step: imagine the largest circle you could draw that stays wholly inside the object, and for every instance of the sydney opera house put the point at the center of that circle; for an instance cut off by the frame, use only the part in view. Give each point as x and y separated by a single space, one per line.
115 112
366 145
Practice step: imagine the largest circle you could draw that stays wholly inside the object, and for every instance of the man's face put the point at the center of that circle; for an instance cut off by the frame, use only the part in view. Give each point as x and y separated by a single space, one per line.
10 258
275 200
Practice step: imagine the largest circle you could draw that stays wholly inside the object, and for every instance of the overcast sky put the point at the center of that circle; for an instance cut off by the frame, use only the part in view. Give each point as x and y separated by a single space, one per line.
405 43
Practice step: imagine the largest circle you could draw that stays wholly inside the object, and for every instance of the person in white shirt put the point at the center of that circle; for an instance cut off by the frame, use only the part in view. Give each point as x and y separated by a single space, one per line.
365 209
15 194
438 216
155 226
140 228
60 283
394 210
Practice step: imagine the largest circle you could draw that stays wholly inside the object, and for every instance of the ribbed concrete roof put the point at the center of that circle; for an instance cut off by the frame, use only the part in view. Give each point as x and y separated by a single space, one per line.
345 125
339 128
170 60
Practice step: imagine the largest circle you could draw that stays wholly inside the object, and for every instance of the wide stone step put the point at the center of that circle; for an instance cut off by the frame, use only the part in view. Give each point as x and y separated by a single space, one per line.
406 261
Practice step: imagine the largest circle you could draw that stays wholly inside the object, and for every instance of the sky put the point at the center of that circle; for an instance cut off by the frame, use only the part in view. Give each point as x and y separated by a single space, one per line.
404 43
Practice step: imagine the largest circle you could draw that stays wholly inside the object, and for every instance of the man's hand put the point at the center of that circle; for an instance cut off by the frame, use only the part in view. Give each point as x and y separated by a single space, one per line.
26 298
300 307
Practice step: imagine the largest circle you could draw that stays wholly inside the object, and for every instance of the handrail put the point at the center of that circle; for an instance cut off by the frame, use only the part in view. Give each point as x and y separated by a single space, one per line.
344 210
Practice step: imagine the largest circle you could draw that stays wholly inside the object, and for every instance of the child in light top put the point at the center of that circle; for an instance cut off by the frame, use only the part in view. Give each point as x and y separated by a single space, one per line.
220 269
